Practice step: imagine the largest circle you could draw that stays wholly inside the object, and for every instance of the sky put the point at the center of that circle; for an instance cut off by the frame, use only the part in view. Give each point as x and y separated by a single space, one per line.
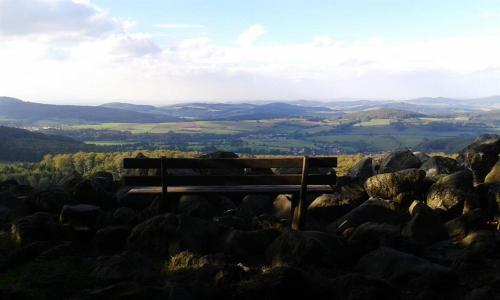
170 51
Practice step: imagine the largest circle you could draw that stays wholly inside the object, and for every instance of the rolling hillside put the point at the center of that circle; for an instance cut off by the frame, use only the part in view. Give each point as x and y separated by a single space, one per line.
32 113
393 114
243 111
23 145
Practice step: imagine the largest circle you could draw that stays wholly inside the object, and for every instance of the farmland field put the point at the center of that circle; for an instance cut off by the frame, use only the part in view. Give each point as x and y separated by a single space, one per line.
286 135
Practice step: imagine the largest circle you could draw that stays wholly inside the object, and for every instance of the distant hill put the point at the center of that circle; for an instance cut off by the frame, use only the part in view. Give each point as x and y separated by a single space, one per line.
32 113
15 112
381 113
23 145
147 109
487 116
429 106
446 145
244 111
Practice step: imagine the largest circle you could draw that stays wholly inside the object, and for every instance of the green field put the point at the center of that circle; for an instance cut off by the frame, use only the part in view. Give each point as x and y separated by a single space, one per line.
109 143
375 122
294 135
202 127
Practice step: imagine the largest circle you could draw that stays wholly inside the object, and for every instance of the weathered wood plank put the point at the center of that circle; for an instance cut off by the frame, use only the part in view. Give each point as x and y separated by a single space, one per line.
229 163
177 180
265 189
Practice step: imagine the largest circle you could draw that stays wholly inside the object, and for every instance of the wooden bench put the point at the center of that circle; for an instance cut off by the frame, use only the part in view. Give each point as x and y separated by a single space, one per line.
165 181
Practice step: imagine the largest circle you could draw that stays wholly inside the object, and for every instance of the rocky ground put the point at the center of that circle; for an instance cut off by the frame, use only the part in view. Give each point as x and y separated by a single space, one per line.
406 226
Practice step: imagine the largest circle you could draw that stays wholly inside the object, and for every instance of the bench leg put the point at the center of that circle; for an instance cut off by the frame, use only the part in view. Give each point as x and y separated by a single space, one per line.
164 207
295 212
299 212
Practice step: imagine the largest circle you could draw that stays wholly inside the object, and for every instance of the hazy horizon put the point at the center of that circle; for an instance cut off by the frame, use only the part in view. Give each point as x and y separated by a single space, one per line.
167 52
215 101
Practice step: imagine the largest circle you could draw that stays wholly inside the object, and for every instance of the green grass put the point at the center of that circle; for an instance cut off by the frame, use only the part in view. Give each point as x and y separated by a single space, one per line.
57 278
109 143
375 122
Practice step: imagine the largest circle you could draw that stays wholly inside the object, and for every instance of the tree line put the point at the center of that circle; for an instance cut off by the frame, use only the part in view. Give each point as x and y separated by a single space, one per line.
52 168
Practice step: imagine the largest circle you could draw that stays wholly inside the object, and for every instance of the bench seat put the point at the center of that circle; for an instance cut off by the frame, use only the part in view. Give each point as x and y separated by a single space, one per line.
221 189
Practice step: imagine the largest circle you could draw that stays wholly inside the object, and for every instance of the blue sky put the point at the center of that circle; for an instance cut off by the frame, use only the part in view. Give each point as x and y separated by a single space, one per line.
160 52
293 21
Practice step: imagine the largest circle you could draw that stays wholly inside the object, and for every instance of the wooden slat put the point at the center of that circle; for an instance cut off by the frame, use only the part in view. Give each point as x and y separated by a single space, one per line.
229 163
201 180
264 189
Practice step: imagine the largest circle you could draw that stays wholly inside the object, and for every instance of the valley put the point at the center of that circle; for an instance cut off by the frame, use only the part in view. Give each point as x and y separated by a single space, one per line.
261 128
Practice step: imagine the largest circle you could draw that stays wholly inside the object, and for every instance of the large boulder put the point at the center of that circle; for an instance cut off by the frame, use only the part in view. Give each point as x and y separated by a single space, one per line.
153 235
438 165
481 243
402 186
493 197
221 154
282 206
460 226
105 179
494 175
278 283
125 216
254 205
5 217
447 253
93 192
423 157
168 234
204 207
404 269
82 217
329 207
362 170
373 210
70 180
347 195
249 245
40 226
128 290
425 226
8 184
481 156
397 161
128 266
453 194
133 201
9 200
52 200
315 248
111 239
359 287
370 236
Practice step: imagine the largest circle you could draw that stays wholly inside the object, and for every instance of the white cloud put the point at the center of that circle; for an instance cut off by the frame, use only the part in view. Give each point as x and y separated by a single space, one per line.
178 26
135 45
101 58
322 41
490 16
54 18
250 36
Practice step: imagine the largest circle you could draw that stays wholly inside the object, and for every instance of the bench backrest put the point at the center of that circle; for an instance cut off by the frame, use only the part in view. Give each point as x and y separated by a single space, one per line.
163 165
